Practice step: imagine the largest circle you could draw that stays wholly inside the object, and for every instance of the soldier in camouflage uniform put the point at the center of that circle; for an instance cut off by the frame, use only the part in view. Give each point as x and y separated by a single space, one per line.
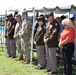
25 35
16 36
51 42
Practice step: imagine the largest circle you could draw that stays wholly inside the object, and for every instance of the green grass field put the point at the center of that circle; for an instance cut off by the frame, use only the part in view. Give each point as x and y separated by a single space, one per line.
9 66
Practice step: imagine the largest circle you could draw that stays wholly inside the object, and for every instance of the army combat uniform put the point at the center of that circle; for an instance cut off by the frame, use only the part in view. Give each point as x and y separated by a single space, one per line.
25 38
18 39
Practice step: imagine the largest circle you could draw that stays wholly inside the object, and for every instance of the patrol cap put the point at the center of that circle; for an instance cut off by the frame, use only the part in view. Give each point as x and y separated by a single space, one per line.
17 15
48 14
24 13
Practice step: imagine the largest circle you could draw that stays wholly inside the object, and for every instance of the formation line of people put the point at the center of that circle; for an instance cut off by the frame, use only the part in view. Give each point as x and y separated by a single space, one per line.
49 34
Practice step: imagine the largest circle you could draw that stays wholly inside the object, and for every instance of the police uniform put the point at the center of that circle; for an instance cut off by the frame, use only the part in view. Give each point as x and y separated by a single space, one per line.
25 33
51 34
11 29
38 38
17 38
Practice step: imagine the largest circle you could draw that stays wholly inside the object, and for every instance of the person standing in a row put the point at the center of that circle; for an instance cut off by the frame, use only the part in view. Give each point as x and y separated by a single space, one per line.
7 41
16 36
25 35
75 38
10 34
51 42
67 45
38 41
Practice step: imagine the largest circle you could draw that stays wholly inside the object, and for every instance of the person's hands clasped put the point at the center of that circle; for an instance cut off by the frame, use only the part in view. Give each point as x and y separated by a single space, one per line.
60 45
45 40
35 42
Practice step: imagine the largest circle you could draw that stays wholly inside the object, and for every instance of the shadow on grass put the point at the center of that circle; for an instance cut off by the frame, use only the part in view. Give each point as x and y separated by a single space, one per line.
35 60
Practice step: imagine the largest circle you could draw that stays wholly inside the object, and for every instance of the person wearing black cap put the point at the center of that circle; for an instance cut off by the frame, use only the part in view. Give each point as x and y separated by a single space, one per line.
38 41
11 29
51 42
16 36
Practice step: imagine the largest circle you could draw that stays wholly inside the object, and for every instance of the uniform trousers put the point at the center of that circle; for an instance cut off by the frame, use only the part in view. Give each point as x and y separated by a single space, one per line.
18 47
75 51
25 48
51 59
12 51
75 45
41 56
67 53
7 45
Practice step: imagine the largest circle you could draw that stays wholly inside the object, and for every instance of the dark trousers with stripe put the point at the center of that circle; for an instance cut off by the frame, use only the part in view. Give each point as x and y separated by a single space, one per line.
67 53
12 48
41 56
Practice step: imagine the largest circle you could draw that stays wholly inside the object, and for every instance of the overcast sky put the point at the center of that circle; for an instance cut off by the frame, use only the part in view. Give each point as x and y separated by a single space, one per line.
21 4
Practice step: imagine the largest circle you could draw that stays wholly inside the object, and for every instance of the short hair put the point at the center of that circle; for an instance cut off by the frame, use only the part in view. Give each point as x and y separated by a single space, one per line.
67 22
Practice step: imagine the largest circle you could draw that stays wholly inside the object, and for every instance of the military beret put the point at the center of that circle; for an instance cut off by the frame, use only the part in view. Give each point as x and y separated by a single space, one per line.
48 14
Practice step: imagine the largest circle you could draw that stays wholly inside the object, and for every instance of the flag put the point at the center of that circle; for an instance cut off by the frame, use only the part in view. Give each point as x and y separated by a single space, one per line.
16 12
37 14
74 16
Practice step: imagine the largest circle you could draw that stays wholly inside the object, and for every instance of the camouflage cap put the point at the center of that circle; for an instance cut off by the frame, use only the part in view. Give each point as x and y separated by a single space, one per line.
17 15
48 14
24 13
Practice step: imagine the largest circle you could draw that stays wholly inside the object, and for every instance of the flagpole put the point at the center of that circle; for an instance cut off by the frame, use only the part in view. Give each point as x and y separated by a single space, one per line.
31 55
